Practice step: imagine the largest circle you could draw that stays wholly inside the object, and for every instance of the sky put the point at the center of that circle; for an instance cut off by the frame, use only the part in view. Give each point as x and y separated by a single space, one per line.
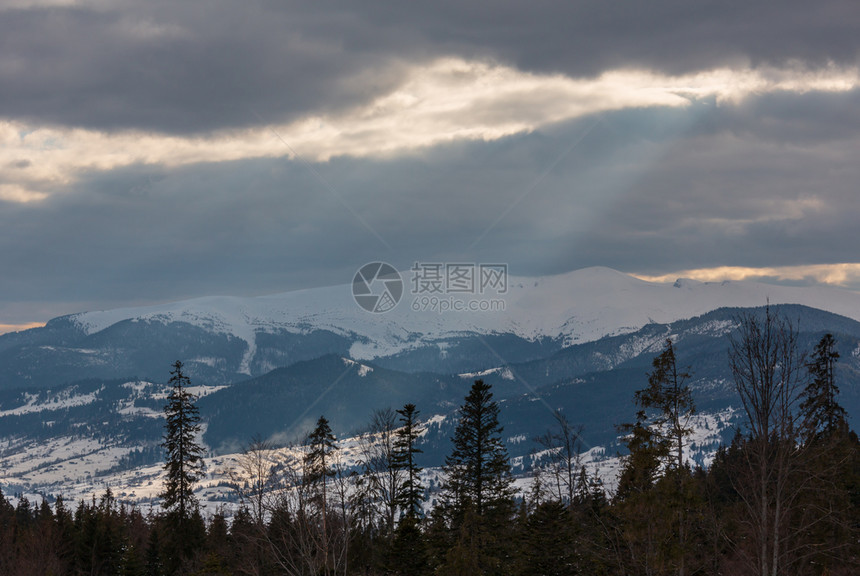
155 150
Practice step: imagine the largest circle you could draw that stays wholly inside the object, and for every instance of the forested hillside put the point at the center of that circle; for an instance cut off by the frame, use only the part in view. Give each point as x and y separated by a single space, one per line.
781 498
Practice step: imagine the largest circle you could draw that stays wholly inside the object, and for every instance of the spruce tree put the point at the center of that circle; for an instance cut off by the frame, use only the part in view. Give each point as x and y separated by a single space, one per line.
671 402
669 396
478 471
7 511
478 495
183 454
408 553
546 543
831 459
318 467
822 415
641 468
410 495
318 460
154 564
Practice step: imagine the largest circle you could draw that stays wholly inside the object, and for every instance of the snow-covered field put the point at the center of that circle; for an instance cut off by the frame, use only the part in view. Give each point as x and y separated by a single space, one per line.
83 468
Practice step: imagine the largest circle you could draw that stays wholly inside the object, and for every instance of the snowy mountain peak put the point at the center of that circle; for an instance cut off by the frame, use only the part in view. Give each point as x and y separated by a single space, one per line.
577 306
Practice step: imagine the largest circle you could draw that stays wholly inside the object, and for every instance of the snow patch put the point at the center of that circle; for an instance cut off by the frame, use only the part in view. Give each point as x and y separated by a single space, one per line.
362 369
60 401
481 374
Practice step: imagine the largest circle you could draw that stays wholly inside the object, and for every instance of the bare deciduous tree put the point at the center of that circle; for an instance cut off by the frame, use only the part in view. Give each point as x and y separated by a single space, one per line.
767 367
381 475
254 477
563 446
310 509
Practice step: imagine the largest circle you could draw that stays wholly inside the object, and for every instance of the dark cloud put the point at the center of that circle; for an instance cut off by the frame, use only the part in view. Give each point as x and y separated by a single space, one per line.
181 67
647 191
770 180
585 38
202 65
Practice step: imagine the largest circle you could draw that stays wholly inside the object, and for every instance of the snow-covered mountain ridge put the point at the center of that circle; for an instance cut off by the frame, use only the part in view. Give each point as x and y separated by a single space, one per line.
579 306
224 340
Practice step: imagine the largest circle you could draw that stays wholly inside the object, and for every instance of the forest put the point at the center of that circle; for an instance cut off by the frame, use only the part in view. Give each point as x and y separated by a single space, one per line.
781 498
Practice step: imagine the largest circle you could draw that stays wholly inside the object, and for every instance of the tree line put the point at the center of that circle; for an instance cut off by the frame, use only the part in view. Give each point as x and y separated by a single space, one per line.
781 498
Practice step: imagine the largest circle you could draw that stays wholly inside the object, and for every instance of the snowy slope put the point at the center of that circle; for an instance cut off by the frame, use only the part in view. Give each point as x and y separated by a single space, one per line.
83 468
578 306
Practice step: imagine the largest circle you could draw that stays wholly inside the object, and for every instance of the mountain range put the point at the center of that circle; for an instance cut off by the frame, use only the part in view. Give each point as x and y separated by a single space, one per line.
223 340
81 397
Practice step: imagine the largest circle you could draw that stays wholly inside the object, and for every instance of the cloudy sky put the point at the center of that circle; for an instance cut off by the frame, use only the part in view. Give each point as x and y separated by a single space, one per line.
154 150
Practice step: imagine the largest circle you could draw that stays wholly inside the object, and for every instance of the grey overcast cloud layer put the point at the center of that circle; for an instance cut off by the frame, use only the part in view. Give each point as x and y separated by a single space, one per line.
157 150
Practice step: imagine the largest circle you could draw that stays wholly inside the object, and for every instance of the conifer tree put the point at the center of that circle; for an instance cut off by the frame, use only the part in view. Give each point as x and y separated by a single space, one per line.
547 542
671 400
408 554
478 471
821 413
132 564
7 529
184 455
831 459
477 495
318 460
411 493
318 467
7 511
641 467
668 394
154 564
